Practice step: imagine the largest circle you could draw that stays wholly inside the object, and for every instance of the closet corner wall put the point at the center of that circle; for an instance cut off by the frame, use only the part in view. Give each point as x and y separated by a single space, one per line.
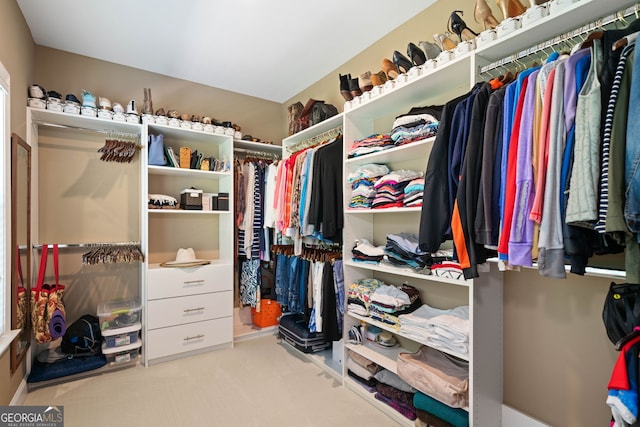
330 359
243 326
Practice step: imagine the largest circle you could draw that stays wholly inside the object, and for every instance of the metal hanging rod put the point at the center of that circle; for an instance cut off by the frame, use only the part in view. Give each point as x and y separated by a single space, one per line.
267 154
89 245
315 140
109 132
585 29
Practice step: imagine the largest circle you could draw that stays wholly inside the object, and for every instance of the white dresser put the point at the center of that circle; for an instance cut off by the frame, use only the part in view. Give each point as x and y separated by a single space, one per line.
188 309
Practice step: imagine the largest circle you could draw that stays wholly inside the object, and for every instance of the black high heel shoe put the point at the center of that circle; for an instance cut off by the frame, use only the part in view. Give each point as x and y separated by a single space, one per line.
401 62
416 54
459 27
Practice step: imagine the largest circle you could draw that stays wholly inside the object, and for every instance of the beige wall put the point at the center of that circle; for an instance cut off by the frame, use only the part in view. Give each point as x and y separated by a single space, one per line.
16 54
557 358
69 73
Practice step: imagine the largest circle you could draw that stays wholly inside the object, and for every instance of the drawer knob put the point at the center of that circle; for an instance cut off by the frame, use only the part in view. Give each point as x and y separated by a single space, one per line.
197 337
191 310
194 282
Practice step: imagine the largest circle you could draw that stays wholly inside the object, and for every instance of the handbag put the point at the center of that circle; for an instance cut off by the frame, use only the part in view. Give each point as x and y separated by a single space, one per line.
48 315
621 312
156 150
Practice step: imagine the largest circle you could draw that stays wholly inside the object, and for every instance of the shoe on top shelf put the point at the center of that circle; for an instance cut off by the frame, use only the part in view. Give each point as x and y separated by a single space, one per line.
88 100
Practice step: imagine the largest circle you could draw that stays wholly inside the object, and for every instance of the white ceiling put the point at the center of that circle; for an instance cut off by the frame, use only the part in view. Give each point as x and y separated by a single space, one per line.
267 49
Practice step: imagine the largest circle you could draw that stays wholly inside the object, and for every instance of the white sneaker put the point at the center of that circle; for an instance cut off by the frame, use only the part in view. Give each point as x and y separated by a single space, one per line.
131 107
104 103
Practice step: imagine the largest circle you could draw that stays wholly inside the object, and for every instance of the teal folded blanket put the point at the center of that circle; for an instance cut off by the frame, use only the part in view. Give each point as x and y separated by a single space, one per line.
454 416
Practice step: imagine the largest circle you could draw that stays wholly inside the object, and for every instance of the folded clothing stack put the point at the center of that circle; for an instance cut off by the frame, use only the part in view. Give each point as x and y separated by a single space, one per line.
413 127
434 413
359 295
402 250
448 329
413 193
362 182
389 302
370 144
390 188
364 251
363 370
434 373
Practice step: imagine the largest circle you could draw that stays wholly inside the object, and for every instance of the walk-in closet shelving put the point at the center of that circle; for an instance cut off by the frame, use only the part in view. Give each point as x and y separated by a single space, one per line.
566 15
290 143
78 200
484 296
374 114
188 310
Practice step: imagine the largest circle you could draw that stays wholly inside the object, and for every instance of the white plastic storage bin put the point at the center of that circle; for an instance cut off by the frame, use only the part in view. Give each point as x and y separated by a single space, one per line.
119 313
122 336
124 354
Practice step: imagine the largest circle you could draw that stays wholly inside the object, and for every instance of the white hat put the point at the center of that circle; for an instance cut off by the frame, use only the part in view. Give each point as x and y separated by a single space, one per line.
185 258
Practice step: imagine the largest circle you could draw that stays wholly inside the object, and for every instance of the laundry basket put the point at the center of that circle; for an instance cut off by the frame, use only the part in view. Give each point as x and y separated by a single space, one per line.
268 315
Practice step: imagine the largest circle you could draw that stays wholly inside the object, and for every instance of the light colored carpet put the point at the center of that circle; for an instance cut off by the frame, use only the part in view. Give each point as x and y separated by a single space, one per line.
259 382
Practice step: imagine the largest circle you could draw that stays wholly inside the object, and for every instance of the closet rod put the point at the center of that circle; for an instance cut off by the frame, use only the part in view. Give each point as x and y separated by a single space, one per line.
89 245
585 29
105 131
257 153
315 140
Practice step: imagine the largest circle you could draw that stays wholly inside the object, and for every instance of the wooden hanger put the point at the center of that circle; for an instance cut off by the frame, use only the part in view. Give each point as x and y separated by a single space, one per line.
629 39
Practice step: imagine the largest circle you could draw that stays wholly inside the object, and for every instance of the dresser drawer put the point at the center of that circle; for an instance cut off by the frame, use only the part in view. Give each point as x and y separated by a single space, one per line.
192 336
175 282
193 308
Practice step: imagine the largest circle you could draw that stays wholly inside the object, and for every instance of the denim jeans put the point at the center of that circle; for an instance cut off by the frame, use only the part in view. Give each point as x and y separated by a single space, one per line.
632 154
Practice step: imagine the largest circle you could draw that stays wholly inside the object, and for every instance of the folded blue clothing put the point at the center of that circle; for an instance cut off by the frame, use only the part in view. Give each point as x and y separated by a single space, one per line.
454 416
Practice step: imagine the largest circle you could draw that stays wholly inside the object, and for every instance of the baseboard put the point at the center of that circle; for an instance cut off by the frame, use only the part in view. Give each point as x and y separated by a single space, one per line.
511 417
20 395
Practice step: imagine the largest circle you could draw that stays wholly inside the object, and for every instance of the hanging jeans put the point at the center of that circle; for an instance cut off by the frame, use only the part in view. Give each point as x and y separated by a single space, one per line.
632 154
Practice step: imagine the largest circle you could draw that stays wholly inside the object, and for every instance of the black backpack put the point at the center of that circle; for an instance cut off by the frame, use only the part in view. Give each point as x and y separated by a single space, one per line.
621 312
83 337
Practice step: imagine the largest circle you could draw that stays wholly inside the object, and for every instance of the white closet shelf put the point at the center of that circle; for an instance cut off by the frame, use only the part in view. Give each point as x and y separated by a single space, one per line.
189 135
57 119
437 83
397 332
606 273
184 172
330 123
414 150
385 357
579 13
381 211
405 272
215 262
183 212
257 146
